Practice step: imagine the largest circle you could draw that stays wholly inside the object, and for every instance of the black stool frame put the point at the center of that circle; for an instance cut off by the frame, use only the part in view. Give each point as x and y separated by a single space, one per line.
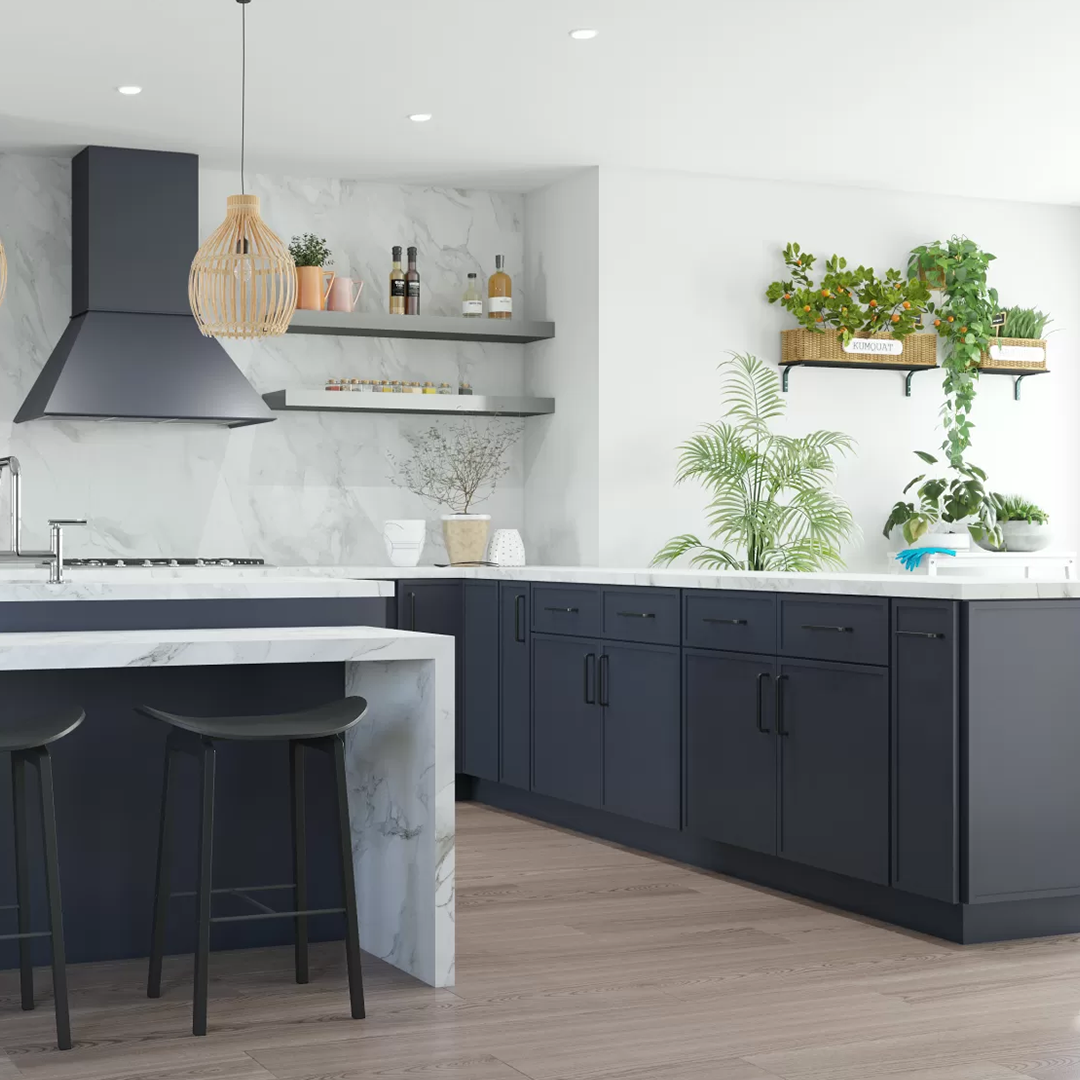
40 758
203 749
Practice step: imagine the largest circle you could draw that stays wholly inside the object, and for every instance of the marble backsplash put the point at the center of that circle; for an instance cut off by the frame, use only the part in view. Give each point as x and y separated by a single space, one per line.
308 488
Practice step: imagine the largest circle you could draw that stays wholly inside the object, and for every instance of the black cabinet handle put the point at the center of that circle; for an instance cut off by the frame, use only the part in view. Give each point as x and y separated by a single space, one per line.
834 629
725 622
919 633
563 610
590 660
604 699
780 706
519 633
760 695
412 611
636 614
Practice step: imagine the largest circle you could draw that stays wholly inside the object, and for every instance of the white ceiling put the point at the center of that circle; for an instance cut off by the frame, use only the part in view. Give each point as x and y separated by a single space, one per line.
971 97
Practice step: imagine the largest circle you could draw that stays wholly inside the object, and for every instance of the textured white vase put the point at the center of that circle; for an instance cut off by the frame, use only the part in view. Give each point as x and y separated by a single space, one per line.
465 536
404 540
506 548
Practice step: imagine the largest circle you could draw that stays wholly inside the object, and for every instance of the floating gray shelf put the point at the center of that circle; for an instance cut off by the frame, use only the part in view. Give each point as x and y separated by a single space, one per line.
422 404
428 327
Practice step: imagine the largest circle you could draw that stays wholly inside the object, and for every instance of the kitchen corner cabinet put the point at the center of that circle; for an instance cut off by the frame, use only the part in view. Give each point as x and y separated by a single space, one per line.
515 684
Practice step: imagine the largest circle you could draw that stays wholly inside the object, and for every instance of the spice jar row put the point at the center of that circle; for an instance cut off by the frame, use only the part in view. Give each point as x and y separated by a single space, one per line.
393 386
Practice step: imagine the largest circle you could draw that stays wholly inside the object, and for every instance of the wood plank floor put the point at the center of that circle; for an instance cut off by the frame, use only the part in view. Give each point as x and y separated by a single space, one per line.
578 960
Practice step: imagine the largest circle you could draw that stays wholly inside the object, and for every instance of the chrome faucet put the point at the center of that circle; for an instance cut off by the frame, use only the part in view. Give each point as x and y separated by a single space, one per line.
56 565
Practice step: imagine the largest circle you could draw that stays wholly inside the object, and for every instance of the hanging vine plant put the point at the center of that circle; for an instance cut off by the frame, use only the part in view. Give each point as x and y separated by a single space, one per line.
964 321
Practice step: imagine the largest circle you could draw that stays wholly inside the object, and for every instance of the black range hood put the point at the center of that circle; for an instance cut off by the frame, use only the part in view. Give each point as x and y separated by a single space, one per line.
133 350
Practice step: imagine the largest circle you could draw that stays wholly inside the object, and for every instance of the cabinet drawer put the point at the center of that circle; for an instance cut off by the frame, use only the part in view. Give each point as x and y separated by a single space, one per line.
650 616
566 609
854 630
734 622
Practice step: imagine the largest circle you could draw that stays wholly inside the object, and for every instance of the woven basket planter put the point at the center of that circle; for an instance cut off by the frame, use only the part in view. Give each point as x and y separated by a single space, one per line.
802 346
1035 346
934 277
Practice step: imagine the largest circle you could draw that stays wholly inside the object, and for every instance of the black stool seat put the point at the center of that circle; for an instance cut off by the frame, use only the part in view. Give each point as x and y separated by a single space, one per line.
334 718
26 733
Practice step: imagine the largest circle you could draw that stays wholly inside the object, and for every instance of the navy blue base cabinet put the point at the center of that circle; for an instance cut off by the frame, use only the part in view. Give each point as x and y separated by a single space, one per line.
515 685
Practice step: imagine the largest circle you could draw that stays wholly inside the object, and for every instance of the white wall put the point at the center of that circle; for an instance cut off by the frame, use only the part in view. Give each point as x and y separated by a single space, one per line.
562 452
308 488
684 263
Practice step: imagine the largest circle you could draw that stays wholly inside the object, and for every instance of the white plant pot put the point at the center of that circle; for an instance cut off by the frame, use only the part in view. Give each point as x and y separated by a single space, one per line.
404 540
1021 536
465 536
506 548
938 537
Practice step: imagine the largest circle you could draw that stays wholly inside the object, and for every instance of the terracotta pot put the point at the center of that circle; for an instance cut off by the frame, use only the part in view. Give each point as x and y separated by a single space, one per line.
313 286
465 536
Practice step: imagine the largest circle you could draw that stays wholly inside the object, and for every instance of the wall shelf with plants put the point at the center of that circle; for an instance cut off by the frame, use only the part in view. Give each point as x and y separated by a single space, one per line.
852 318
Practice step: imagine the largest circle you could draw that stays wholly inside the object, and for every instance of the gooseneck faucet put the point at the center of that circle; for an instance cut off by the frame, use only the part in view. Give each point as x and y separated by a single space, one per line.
11 463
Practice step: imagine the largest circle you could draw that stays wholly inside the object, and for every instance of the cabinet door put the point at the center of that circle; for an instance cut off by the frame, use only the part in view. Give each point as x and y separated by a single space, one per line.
515 696
639 688
926 740
731 742
480 680
833 726
567 747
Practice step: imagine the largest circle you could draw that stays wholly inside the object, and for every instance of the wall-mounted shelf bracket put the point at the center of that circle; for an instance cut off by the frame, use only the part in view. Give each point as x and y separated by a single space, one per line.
1017 376
908 371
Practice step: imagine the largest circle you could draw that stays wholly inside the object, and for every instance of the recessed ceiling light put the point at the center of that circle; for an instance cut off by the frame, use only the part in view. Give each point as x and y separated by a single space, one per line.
584 34
130 90
420 117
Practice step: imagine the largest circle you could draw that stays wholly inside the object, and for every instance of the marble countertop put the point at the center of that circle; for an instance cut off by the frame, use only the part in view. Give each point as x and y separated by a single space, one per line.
53 650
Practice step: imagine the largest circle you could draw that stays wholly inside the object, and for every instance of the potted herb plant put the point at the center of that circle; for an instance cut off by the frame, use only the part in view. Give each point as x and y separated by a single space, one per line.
459 466
851 315
1024 526
1018 340
771 504
311 256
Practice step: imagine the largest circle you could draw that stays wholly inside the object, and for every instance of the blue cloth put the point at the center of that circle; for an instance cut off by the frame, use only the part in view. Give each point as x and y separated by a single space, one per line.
911 558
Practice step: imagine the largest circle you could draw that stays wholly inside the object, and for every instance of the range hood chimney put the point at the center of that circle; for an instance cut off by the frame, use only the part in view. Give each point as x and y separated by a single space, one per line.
132 350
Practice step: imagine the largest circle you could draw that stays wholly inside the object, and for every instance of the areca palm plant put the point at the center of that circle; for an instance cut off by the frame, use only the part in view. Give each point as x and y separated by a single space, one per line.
771 504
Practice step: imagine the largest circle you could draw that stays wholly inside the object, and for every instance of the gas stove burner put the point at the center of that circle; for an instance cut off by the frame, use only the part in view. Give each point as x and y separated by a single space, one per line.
127 563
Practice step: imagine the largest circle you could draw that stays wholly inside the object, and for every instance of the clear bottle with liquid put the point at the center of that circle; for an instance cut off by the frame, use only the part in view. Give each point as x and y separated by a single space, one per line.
397 284
472 303
500 304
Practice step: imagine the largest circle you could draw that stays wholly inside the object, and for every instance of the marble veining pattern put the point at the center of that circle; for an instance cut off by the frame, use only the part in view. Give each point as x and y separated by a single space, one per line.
309 487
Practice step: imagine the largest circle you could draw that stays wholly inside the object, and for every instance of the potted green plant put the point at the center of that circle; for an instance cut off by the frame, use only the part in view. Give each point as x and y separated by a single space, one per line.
1024 526
459 466
311 256
1019 340
948 510
851 315
771 506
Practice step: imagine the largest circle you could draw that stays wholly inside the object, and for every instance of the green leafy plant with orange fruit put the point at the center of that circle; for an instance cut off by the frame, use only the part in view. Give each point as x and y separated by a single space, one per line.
849 301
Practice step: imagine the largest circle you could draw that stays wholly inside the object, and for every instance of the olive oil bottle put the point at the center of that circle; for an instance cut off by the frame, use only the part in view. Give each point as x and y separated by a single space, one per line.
397 284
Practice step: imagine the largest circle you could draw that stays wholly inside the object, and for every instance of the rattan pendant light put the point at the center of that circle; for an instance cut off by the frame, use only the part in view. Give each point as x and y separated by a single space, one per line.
243 279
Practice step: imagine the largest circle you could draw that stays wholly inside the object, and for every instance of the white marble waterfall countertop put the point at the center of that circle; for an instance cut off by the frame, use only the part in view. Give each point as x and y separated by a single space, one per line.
900 584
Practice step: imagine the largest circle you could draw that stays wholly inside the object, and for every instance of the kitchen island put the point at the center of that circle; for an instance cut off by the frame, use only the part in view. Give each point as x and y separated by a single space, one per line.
108 773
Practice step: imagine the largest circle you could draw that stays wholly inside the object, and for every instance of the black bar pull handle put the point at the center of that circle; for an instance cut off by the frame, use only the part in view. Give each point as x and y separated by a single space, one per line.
725 622
604 675
563 610
780 730
833 629
762 676
919 633
519 632
590 660
636 614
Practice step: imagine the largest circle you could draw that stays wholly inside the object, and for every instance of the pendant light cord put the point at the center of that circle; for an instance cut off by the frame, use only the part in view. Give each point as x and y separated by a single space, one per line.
243 91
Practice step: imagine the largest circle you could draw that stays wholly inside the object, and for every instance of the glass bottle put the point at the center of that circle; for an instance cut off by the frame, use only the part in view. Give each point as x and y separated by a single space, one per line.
412 286
500 304
397 284
472 303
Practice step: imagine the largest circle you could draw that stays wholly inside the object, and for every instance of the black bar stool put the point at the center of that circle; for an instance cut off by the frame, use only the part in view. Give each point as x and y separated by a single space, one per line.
28 743
320 729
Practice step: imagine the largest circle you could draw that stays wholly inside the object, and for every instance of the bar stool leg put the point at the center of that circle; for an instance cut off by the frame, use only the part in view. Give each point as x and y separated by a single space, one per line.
161 883
206 867
22 878
352 926
299 838
52 890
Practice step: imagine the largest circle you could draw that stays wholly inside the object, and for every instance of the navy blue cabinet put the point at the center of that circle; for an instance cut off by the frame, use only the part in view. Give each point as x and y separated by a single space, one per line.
479 669
832 721
639 692
926 748
731 748
567 719
515 684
